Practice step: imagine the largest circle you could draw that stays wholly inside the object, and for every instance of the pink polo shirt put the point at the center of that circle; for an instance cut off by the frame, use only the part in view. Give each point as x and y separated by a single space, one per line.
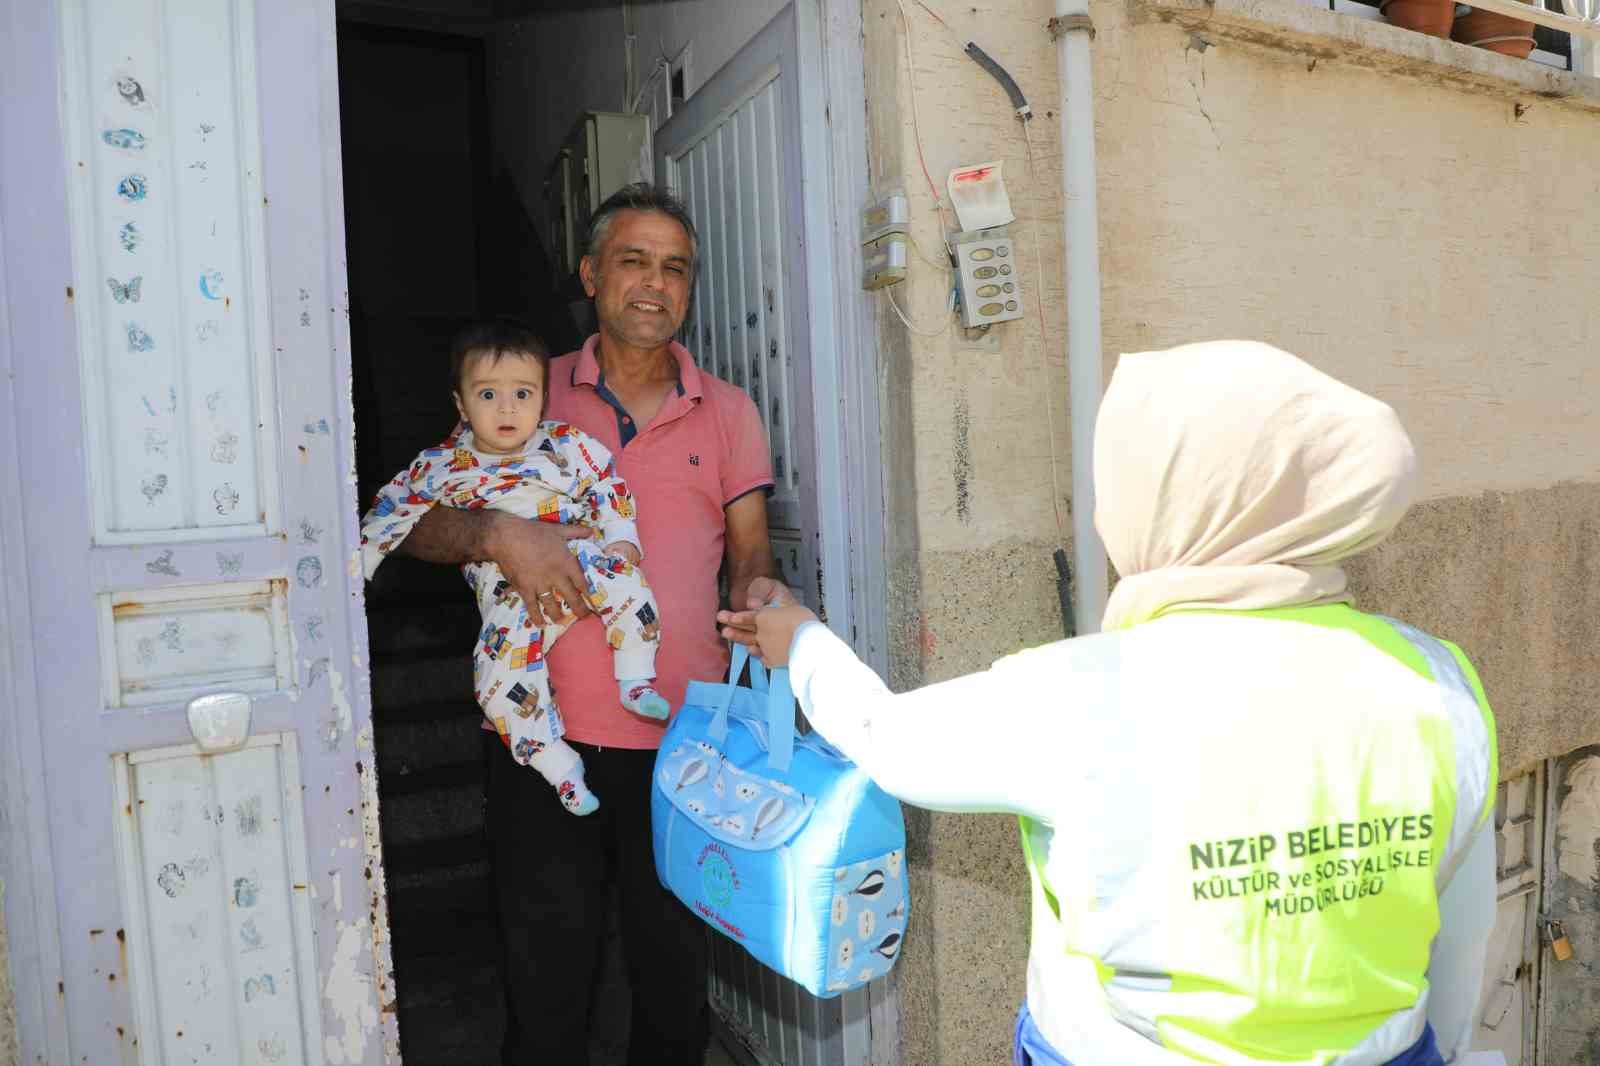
704 449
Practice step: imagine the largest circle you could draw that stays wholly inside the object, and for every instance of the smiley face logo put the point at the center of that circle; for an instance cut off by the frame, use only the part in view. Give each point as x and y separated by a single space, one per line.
716 877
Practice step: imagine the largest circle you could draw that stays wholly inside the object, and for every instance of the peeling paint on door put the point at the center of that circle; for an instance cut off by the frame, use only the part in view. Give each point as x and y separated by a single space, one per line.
348 997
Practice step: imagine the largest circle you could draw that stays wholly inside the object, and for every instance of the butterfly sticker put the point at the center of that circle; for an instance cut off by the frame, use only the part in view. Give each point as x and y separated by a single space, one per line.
126 292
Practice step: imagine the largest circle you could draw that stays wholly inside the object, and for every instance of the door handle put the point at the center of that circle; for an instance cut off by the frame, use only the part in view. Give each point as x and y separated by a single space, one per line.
220 721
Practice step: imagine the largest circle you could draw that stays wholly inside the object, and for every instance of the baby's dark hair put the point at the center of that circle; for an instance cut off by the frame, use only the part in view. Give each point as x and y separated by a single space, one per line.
496 338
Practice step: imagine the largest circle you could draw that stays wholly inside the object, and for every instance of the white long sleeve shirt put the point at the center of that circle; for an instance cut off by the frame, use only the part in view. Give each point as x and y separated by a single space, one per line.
1099 738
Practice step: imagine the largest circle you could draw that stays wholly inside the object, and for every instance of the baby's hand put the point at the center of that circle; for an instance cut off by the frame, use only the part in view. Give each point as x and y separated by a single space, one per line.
625 549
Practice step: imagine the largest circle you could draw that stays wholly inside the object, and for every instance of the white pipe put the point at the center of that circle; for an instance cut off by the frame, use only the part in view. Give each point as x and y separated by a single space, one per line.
1081 232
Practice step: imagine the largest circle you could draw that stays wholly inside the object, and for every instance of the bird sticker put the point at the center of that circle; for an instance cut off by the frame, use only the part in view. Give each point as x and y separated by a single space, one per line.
126 139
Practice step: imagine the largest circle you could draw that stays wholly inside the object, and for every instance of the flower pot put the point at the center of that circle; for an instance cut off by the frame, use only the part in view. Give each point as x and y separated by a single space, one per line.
1498 33
1432 17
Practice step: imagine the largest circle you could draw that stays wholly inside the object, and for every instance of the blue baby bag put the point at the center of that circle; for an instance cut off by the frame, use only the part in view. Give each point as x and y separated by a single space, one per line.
776 840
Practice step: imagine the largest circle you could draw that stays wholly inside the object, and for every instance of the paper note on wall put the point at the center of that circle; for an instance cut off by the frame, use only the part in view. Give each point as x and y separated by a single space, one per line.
978 194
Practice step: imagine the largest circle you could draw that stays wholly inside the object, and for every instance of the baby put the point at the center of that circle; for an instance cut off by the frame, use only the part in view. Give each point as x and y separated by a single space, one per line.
505 457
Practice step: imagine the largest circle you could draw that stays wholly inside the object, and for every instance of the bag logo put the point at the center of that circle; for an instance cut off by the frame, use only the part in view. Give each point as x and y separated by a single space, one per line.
717 875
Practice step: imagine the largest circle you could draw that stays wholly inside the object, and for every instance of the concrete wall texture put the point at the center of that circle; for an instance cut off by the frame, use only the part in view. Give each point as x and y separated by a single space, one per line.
1372 201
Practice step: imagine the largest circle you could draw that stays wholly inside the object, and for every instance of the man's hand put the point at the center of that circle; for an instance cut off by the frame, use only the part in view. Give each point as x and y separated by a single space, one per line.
536 560
740 626
627 549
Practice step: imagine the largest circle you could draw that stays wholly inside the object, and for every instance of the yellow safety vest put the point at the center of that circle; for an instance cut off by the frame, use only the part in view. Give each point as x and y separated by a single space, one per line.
1285 911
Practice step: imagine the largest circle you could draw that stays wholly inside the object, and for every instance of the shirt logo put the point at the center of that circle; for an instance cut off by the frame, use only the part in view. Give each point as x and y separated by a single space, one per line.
694 460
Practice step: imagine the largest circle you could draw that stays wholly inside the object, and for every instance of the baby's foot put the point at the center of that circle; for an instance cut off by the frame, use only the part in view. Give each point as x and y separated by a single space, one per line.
575 795
642 699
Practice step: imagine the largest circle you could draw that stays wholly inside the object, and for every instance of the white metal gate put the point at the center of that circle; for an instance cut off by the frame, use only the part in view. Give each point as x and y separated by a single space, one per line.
733 151
1506 1020
176 422
747 325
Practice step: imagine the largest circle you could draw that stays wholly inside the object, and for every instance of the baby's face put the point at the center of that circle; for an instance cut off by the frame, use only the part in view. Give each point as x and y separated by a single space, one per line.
502 400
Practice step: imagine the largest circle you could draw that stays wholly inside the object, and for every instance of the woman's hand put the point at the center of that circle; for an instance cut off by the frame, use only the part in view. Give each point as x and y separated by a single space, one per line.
739 627
775 629
534 557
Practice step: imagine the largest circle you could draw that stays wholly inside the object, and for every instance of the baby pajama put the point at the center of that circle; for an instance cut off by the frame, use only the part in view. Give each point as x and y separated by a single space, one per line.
562 475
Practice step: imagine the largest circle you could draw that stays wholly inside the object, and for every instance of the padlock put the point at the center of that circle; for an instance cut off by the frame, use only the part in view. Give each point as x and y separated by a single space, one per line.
1560 946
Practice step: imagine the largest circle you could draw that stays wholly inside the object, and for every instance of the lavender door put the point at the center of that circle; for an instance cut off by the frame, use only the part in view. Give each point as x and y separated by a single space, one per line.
190 880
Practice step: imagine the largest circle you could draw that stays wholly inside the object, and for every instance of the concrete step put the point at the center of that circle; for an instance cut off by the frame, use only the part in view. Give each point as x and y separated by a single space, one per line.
424 678
412 747
454 1034
427 858
433 817
409 628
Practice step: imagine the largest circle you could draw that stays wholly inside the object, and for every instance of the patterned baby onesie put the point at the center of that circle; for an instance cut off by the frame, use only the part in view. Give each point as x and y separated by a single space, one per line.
562 475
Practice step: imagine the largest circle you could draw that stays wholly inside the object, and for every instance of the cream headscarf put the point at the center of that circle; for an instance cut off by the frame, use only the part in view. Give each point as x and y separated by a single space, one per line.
1231 475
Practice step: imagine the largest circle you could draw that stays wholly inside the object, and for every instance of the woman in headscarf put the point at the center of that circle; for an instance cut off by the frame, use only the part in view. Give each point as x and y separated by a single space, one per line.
1258 822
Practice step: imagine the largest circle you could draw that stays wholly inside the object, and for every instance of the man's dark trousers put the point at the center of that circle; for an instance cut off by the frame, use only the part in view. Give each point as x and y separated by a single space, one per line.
553 873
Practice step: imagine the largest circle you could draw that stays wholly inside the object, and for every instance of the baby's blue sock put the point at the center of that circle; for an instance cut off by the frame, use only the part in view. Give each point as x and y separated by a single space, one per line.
640 697
575 794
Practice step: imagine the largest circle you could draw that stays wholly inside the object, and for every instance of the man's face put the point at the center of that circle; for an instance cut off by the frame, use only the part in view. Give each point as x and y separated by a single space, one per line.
501 399
639 278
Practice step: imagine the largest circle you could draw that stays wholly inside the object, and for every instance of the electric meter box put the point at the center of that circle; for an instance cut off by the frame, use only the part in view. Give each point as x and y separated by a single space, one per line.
987 276
604 152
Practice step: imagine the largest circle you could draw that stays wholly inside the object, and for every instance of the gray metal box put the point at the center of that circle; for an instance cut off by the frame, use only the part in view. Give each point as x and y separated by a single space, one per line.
604 152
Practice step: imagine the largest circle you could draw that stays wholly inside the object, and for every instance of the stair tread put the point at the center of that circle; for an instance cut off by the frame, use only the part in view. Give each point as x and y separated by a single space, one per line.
401 860
445 775
426 711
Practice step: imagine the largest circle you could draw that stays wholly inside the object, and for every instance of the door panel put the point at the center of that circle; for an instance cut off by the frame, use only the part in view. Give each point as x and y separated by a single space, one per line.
180 365
725 151
732 151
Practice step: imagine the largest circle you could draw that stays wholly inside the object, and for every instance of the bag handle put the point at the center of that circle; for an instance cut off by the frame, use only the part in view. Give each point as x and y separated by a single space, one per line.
780 722
780 706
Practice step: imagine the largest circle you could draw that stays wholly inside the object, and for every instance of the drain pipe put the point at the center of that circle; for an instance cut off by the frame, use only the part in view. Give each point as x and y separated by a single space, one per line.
1072 31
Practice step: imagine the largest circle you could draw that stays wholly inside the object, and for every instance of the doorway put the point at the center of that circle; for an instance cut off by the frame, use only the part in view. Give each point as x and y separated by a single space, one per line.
436 238
444 223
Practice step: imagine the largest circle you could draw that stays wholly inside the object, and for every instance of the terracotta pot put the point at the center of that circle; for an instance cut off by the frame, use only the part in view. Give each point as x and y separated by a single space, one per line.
1431 17
1497 33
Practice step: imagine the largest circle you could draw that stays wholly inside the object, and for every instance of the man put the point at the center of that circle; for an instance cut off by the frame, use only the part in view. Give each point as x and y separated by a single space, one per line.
694 455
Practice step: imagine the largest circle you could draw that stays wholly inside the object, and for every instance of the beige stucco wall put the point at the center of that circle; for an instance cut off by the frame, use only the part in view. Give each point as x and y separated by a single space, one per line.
1372 202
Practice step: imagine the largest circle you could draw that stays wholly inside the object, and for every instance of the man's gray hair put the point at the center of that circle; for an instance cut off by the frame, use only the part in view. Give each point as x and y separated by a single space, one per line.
642 196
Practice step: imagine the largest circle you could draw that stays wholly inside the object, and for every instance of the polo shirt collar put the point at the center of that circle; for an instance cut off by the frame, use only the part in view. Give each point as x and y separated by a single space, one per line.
586 371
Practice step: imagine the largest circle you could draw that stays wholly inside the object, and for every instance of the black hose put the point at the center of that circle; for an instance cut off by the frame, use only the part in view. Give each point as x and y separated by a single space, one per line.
1007 82
1069 625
